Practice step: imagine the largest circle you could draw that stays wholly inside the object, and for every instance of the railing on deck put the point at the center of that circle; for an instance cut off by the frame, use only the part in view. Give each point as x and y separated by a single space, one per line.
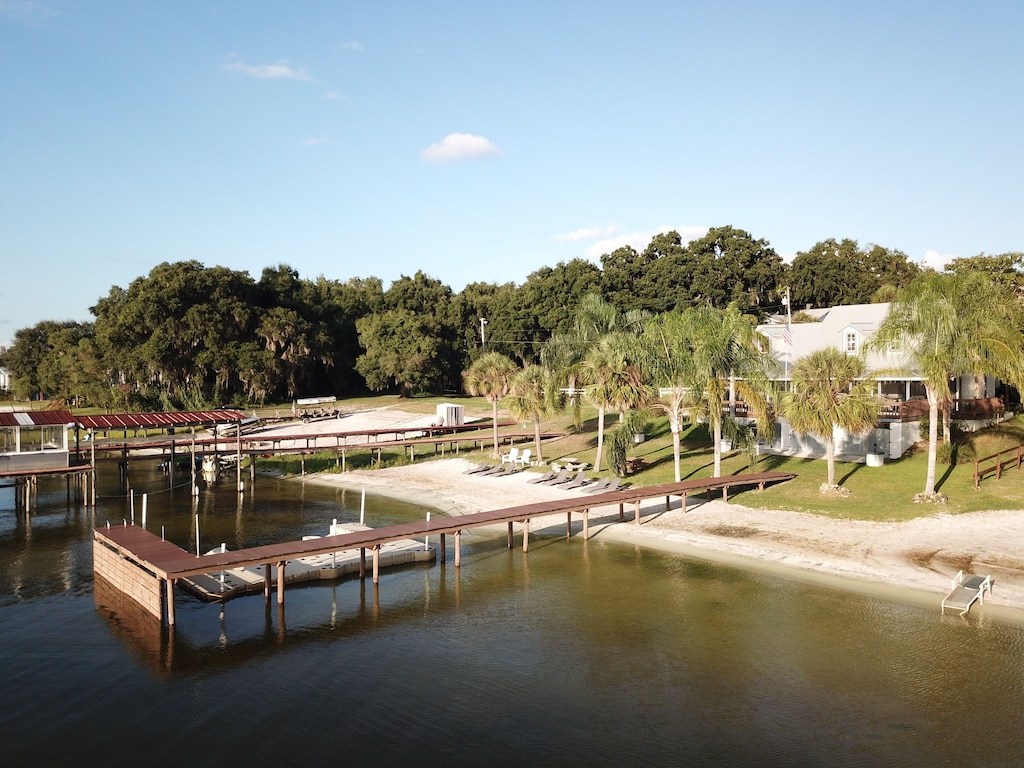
906 410
1006 458
978 408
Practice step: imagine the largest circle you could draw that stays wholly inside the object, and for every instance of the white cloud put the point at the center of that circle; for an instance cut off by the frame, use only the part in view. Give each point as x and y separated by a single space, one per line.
936 260
26 11
352 45
586 233
280 71
459 146
640 240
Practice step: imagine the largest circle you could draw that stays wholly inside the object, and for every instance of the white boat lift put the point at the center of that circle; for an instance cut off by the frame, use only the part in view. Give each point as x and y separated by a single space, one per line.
965 591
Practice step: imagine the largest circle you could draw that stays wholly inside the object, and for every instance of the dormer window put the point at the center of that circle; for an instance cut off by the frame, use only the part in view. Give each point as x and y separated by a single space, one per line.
851 342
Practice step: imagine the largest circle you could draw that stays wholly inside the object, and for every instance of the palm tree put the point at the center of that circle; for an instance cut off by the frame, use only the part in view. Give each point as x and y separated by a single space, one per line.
490 376
728 353
830 390
615 381
667 355
952 325
564 353
534 394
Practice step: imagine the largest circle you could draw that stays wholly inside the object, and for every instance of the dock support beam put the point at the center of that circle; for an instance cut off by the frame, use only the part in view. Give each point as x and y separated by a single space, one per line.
280 582
458 548
170 601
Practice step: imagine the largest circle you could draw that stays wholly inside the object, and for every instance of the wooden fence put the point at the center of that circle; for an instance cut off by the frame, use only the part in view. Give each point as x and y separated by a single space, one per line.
995 463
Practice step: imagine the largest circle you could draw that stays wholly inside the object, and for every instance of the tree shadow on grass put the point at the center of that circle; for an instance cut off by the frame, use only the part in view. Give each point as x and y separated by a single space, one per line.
856 468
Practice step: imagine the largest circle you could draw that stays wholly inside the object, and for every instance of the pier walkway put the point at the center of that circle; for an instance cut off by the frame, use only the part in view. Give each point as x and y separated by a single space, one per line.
146 567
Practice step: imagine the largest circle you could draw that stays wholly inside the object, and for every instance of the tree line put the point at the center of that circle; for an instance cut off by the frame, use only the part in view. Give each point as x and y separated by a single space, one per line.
191 336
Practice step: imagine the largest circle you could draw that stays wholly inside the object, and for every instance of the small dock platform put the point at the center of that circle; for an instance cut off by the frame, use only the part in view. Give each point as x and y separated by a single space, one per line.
223 585
965 592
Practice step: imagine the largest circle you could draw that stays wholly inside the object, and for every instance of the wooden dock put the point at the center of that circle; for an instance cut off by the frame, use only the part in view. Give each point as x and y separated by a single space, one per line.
965 592
146 567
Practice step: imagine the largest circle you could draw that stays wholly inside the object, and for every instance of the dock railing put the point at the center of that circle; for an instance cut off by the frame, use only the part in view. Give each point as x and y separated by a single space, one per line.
995 463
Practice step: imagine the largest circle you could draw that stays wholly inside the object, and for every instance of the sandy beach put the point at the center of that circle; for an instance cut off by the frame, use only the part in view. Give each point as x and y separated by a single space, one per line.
912 561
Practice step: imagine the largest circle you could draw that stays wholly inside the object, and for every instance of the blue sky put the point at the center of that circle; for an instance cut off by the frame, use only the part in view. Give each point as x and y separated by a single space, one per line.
480 142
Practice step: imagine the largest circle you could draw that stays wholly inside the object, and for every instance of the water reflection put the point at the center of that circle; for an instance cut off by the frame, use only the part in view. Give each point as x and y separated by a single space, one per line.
577 653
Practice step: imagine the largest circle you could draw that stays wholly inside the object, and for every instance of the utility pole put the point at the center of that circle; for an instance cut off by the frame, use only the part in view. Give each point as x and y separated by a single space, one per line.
483 340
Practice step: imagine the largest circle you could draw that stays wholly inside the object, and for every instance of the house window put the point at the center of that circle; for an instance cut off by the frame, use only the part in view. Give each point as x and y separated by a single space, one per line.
851 342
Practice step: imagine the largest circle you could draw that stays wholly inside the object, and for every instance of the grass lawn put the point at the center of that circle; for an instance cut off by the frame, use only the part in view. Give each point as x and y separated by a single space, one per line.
876 493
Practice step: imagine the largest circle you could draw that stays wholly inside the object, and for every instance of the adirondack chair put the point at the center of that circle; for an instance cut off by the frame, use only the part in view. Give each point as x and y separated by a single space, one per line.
510 457
523 459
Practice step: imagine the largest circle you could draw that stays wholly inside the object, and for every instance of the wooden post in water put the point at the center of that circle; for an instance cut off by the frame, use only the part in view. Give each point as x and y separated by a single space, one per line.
444 552
170 602
510 534
266 583
362 562
376 563
238 461
458 548
586 524
526 535
280 582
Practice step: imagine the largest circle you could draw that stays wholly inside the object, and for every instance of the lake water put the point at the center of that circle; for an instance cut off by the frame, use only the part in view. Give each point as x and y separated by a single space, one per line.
575 654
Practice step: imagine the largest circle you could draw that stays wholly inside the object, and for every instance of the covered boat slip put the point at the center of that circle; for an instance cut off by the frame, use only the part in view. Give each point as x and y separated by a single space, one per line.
146 567
965 591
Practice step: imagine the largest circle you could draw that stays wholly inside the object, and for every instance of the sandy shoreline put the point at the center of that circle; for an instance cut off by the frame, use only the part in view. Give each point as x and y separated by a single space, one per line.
912 561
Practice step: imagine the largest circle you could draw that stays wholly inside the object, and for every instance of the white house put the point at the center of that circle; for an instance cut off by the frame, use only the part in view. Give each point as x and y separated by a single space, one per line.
848 329
6 380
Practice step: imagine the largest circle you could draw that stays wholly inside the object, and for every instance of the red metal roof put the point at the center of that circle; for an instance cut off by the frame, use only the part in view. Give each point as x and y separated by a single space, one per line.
35 418
172 419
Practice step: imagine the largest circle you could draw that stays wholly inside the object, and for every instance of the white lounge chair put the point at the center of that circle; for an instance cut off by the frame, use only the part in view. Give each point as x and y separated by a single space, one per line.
510 457
523 459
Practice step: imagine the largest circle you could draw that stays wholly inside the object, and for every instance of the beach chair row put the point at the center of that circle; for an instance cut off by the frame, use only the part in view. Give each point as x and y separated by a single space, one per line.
563 478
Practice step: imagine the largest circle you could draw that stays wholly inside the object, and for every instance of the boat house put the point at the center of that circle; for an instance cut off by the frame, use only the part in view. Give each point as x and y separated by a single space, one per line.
32 441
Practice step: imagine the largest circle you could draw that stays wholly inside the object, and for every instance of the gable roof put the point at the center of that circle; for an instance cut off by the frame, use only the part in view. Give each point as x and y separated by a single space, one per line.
829 331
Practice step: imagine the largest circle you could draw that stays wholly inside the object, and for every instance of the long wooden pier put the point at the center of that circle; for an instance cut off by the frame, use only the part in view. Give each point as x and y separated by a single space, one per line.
146 567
